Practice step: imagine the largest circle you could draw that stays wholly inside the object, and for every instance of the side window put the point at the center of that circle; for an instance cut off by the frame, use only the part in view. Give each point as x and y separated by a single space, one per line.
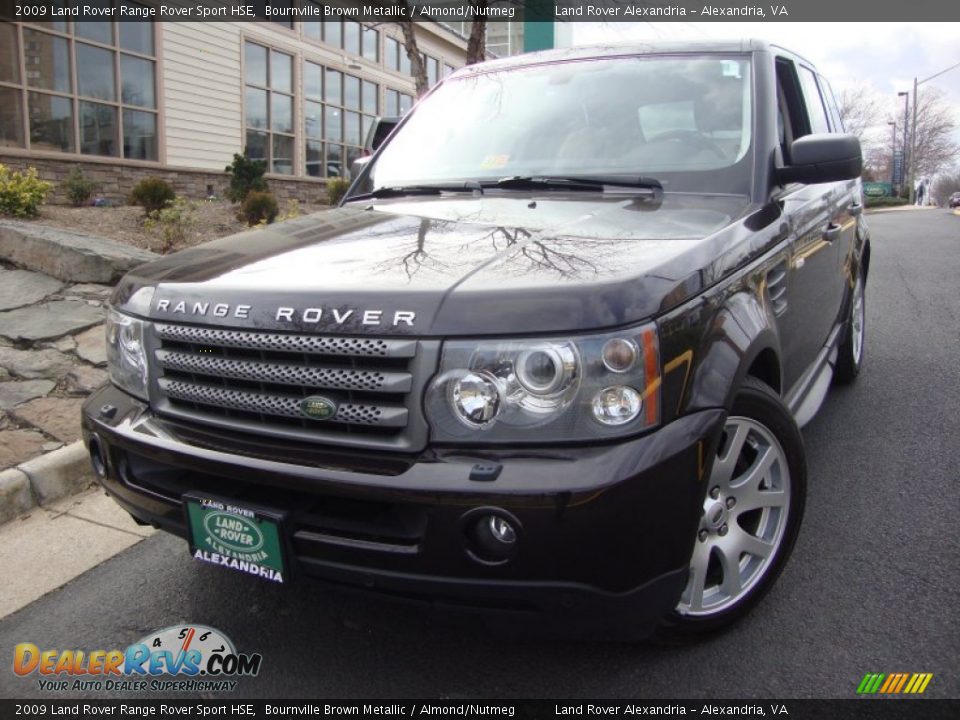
836 122
816 112
792 120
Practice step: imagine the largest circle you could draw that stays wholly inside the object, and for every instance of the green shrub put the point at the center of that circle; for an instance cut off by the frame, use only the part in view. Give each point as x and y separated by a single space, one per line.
246 176
173 223
22 193
872 202
336 189
259 208
78 188
153 194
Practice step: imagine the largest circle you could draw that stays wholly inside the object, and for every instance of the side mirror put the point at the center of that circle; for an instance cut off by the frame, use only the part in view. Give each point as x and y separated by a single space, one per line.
823 158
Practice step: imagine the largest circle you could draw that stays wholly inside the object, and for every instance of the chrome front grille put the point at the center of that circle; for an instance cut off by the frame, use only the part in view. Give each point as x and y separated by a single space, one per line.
285 373
282 342
284 405
256 381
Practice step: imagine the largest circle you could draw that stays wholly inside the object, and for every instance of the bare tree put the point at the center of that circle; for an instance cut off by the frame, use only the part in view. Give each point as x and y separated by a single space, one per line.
877 161
477 43
945 186
936 126
859 109
417 67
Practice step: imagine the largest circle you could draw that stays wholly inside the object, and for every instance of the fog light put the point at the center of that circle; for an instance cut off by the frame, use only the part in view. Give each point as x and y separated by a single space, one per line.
619 354
493 538
501 530
476 398
617 405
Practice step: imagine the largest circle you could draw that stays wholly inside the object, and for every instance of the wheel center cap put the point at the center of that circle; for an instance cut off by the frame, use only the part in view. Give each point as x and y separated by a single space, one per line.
716 516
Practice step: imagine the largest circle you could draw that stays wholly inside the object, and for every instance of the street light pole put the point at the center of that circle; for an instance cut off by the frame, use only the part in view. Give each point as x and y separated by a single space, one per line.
913 129
893 154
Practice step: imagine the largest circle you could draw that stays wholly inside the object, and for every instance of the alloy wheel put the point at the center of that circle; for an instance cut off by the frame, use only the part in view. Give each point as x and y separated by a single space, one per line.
744 518
857 320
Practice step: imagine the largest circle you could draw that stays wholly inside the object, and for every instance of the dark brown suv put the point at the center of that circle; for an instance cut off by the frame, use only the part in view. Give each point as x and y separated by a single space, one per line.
548 358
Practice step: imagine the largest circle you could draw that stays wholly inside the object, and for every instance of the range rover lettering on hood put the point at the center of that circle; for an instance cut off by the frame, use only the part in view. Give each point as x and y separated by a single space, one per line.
292 315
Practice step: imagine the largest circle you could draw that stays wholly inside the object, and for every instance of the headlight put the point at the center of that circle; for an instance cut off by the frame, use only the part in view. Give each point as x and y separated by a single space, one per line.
550 390
126 356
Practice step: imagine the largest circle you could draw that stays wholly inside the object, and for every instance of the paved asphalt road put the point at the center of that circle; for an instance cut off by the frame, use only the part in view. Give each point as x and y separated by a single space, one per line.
872 586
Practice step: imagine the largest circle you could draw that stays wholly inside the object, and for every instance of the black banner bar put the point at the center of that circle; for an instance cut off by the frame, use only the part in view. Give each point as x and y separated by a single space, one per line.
492 11
854 709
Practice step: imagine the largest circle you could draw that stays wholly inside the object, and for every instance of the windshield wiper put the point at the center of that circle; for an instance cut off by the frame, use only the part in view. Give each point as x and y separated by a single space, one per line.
588 183
425 189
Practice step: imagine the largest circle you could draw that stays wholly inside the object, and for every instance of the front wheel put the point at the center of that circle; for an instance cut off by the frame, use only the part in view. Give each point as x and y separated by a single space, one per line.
850 351
751 514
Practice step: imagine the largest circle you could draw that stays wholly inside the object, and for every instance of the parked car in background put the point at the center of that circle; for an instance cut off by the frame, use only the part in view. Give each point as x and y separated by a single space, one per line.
955 200
378 132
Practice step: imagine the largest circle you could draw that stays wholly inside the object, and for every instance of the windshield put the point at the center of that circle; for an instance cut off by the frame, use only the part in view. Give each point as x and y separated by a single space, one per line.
684 120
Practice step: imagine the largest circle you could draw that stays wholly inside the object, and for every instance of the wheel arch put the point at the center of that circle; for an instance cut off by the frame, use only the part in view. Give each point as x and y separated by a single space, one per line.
741 340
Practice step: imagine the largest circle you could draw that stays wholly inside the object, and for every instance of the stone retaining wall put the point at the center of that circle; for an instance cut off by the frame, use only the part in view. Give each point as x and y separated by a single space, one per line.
116 180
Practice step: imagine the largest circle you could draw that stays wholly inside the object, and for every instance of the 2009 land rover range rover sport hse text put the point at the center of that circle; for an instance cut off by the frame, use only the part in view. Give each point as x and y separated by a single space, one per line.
549 357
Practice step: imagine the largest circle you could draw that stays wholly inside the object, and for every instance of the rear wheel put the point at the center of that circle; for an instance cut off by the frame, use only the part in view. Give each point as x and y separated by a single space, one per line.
751 514
850 352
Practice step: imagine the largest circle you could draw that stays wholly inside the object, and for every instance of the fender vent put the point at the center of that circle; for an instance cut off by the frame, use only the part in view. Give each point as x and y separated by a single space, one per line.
777 288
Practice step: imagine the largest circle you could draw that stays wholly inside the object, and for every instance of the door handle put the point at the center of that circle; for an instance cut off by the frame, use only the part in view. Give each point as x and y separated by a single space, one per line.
856 209
831 232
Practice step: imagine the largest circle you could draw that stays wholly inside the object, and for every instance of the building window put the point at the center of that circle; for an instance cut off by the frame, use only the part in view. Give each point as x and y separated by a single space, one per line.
333 33
391 54
433 70
353 37
397 103
371 44
82 85
338 109
269 107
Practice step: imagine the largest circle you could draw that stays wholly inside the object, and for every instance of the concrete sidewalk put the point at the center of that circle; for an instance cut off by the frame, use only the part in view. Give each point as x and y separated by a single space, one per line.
54 286
45 549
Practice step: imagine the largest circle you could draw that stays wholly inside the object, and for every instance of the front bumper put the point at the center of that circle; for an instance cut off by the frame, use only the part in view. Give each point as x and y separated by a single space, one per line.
605 532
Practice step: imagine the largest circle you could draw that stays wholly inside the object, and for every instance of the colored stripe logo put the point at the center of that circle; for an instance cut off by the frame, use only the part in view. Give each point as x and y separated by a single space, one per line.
894 683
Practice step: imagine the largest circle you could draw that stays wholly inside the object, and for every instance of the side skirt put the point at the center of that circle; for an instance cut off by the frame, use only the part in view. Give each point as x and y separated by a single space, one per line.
808 394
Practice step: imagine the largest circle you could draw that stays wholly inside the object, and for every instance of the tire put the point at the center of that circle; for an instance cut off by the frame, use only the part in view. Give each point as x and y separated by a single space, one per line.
850 351
753 507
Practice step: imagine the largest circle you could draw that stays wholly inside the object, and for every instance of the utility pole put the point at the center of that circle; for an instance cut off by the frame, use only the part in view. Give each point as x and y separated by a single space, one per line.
913 131
904 174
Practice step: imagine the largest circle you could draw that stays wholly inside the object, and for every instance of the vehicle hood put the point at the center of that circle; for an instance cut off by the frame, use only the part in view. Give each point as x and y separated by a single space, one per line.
455 265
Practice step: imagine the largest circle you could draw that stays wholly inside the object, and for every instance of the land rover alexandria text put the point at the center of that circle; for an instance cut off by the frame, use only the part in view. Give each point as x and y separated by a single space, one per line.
546 360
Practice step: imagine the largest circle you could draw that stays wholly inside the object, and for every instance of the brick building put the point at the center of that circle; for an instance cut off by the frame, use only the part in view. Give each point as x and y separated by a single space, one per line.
127 100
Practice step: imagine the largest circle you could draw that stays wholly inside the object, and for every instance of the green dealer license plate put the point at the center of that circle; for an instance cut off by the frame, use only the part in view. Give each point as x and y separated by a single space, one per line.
234 536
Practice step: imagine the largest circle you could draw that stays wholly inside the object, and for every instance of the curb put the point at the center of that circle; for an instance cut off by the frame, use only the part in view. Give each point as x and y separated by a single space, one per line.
899 208
44 479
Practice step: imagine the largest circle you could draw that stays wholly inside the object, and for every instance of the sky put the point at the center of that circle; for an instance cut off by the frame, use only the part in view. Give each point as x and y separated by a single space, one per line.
884 56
